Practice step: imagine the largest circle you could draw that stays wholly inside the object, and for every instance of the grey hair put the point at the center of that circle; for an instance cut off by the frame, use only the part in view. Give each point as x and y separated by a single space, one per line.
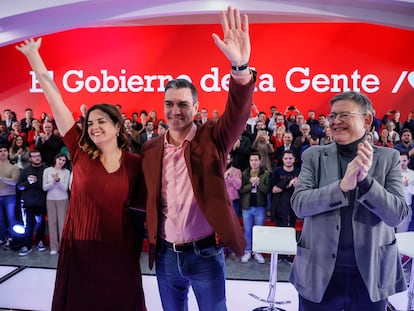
361 100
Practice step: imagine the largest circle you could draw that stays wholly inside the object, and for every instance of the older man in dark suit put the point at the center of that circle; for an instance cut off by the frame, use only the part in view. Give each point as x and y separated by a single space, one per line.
351 197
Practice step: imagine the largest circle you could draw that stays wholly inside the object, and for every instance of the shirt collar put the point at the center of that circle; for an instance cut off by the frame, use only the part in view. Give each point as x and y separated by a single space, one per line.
190 136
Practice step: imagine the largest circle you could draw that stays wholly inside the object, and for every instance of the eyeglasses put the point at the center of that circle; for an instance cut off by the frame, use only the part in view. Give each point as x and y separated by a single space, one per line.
343 116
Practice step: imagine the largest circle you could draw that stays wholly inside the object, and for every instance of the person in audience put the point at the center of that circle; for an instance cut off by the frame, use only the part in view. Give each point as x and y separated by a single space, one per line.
253 118
134 119
148 132
409 123
253 201
282 184
56 185
277 137
327 138
296 128
287 145
240 152
153 118
280 120
262 145
33 201
9 174
370 138
394 116
143 116
49 144
26 123
98 266
8 119
134 140
376 124
188 205
314 141
162 128
204 115
351 197
311 120
16 131
19 153
291 124
260 126
34 134
373 133
406 145
83 110
392 133
233 180
215 115
44 116
408 183
319 129
4 134
384 139
304 137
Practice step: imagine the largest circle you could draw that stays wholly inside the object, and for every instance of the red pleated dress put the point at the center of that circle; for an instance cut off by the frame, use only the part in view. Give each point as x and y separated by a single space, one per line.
98 266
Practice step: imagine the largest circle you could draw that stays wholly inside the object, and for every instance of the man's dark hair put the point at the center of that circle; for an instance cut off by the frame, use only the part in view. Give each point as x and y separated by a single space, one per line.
404 153
181 84
288 151
34 151
254 152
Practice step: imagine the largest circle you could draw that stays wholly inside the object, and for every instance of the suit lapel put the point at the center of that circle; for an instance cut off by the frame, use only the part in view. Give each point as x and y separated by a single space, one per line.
156 168
374 162
329 166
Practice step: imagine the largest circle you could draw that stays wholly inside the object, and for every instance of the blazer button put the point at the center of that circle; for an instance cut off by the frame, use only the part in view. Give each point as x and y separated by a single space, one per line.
333 255
337 227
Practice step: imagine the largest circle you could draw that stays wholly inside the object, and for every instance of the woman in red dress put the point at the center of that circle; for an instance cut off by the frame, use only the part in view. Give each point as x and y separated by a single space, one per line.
98 267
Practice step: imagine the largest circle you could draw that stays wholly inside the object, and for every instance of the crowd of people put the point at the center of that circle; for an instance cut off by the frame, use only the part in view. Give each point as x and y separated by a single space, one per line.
329 171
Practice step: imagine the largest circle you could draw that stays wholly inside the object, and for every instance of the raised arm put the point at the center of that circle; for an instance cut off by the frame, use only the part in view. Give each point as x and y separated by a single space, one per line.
63 116
236 41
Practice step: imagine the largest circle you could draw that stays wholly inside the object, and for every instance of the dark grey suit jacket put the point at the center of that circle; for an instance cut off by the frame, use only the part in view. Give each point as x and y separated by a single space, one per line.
318 199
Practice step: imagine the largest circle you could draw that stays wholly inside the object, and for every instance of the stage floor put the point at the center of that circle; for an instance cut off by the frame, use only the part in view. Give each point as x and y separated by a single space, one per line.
32 289
27 288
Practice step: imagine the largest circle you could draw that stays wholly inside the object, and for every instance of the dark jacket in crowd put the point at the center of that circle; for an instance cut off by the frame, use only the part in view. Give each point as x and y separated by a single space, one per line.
32 193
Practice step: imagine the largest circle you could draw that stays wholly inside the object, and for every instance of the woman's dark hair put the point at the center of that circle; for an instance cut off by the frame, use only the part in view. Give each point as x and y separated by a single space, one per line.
59 155
86 143
14 146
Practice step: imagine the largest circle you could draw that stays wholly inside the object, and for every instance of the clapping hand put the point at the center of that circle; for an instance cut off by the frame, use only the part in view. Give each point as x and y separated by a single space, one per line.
357 169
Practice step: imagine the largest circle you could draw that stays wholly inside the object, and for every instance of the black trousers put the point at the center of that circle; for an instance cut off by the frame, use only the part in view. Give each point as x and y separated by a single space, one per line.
346 291
35 218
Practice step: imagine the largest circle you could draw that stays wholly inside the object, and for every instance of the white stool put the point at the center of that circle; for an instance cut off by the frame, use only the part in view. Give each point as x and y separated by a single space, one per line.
274 241
405 243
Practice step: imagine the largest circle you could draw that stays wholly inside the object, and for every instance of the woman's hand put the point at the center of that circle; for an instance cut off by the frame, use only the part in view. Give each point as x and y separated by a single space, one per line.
29 46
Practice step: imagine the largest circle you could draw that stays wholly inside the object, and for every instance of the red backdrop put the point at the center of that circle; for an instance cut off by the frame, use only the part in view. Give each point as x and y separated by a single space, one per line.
298 64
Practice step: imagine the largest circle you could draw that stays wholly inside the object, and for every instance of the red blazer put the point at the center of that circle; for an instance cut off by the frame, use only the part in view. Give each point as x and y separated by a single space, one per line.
206 159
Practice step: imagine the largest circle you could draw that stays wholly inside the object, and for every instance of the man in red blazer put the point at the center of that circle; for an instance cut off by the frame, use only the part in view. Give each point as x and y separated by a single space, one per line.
188 209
